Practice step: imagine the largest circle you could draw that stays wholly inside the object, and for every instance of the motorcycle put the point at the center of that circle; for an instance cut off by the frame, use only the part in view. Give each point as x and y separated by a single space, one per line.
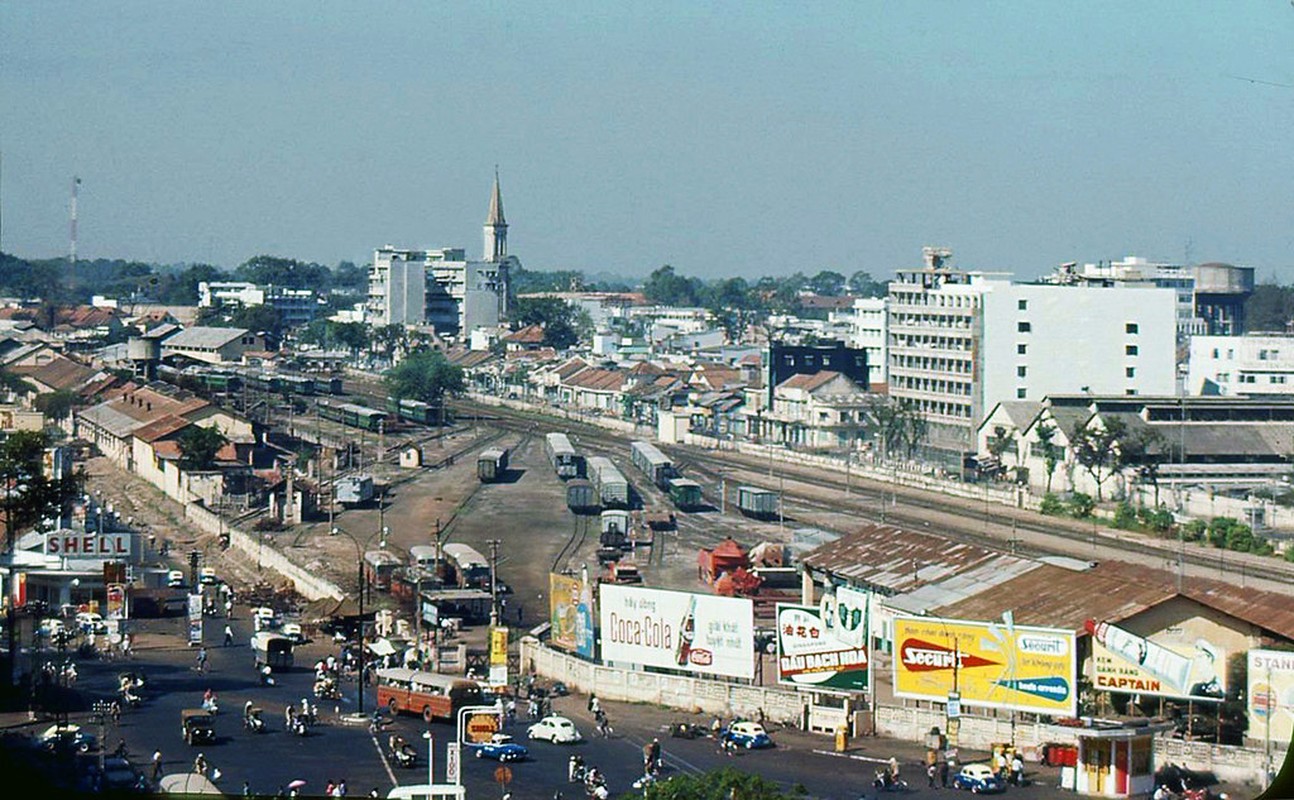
684 730
402 753
885 782
326 689
130 698
299 727
253 721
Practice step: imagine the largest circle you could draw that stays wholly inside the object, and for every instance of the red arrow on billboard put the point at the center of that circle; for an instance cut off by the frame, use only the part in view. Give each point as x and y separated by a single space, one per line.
923 656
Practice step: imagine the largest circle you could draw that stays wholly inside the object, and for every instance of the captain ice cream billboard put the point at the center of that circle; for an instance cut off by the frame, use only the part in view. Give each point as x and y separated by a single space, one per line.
1180 666
1271 695
698 633
991 664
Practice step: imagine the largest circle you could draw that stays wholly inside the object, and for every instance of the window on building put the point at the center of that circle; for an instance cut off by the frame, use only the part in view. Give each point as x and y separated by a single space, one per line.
1130 349
1278 379
1215 352
1130 391
1021 393
1021 349
1021 371
1131 372
1023 327
1131 328
1022 305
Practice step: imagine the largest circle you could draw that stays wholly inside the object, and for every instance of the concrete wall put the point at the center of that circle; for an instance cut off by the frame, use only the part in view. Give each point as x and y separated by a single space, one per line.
311 587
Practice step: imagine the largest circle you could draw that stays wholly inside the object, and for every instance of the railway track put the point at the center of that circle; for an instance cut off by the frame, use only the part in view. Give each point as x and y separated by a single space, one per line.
995 527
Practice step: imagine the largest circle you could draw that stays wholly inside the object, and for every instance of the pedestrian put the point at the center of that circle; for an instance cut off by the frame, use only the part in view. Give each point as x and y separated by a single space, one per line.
341 788
943 774
229 608
200 765
229 636
157 765
116 712
594 705
931 773
202 659
247 789
999 764
328 789
1017 770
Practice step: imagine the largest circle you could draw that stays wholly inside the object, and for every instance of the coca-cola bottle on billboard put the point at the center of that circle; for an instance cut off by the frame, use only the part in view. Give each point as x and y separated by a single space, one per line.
687 630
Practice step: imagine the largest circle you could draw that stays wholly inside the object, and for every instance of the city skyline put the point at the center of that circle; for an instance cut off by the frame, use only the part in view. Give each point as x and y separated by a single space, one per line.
725 139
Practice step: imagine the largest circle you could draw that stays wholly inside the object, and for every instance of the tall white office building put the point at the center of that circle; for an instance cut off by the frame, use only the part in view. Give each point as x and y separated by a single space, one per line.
960 342
441 287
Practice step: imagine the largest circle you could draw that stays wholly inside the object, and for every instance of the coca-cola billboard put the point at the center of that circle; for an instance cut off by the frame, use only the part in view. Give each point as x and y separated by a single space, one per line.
698 633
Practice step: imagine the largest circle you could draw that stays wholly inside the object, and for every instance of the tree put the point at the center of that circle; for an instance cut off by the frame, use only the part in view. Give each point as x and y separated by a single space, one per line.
827 282
199 445
666 287
863 284
348 276
554 315
1051 452
1147 451
258 319
354 336
1096 448
427 376
55 405
389 339
284 272
27 494
1000 441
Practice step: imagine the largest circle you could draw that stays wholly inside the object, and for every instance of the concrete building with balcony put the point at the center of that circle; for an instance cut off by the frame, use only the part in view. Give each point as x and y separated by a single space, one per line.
867 323
961 342
441 288
1253 365
295 306
825 410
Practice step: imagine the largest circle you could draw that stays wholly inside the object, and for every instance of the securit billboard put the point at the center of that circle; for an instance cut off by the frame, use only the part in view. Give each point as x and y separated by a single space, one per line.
700 633
1271 695
994 664
570 610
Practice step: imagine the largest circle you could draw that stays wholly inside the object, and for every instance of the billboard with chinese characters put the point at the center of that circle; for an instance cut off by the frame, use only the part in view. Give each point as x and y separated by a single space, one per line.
994 664
1271 695
570 613
812 652
698 633
1171 665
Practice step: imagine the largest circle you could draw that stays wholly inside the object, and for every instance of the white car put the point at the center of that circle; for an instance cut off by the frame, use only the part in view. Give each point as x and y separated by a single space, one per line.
293 631
557 730
51 627
91 622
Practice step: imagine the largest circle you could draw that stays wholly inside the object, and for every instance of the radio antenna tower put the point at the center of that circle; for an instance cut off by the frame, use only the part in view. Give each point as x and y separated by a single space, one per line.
72 249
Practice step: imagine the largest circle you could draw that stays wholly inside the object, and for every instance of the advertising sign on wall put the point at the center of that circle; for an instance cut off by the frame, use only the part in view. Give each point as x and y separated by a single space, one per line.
116 601
1170 666
69 544
698 633
994 664
570 611
195 619
1271 695
825 645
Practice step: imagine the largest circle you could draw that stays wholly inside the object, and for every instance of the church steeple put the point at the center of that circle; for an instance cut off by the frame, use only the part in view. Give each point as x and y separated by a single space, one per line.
496 228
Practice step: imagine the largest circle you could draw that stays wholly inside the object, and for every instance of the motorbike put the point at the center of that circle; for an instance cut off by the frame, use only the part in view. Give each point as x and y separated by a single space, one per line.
253 721
327 689
130 698
403 753
885 782
299 727
685 730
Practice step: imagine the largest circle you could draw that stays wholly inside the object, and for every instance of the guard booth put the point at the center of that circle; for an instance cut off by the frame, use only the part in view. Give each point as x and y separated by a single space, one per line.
1113 761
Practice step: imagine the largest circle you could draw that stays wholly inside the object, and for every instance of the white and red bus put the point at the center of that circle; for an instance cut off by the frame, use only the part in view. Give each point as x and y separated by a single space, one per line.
430 694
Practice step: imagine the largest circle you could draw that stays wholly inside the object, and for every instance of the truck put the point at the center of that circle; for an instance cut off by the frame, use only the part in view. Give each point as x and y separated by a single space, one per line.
492 464
354 490
756 502
274 649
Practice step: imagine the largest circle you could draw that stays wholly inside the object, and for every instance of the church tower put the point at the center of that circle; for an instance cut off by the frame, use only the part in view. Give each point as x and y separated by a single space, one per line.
496 228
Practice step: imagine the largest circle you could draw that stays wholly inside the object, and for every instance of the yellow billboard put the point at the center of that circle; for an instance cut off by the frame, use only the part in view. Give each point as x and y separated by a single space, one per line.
990 664
1271 695
570 610
498 646
1175 664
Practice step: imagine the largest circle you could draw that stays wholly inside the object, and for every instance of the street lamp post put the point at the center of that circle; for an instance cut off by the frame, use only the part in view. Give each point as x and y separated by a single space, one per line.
359 558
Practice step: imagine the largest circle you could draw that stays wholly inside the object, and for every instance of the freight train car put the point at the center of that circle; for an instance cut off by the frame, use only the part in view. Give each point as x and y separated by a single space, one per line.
649 460
608 482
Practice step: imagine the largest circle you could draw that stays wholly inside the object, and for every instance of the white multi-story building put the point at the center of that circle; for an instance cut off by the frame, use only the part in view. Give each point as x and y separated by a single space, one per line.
1242 366
868 329
295 306
960 342
442 288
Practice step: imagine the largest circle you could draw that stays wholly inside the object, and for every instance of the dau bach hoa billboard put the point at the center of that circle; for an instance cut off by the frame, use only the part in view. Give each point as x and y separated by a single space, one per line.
698 633
991 664
825 645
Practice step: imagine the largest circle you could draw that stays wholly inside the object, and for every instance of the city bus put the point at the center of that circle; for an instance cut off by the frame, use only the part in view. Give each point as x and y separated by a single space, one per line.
430 694
469 565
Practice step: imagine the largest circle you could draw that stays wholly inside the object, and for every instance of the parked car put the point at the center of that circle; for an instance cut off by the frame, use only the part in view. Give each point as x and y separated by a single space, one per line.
119 775
293 631
557 730
90 622
749 735
979 778
51 627
64 738
501 747
264 619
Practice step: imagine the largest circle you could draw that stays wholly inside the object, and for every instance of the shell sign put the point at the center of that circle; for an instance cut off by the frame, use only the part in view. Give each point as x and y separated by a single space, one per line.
991 664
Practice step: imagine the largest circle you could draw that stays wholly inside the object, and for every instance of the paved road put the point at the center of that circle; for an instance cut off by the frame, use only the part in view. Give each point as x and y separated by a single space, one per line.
337 751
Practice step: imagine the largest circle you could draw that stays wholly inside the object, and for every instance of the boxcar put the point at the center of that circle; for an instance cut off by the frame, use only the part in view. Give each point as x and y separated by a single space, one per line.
492 464
580 496
649 460
565 461
685 493
755 502
608 482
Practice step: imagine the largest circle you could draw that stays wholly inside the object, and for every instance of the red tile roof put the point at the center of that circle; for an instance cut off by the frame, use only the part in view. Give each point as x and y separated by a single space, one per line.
531 334
164 426
60 373
809 381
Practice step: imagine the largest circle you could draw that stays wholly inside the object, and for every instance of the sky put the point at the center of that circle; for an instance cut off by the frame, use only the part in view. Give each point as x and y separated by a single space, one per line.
722 138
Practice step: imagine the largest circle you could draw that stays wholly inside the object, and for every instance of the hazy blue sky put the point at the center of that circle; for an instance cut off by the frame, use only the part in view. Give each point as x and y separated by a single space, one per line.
742 138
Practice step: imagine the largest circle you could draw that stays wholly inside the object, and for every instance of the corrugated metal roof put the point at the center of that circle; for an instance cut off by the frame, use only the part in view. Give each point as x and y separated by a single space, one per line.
894 561
203 336
962 585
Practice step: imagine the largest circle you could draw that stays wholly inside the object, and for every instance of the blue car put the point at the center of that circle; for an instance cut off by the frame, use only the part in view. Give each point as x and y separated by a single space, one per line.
502 748
750 735
979 779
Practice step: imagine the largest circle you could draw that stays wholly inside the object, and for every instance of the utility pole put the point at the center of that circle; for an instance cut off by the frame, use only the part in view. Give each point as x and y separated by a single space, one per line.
494 584
71 254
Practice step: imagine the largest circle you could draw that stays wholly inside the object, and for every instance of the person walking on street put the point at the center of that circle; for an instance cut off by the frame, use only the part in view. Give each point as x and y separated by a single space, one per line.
200 765
931 773
943 774
157 765
229 636
202 659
